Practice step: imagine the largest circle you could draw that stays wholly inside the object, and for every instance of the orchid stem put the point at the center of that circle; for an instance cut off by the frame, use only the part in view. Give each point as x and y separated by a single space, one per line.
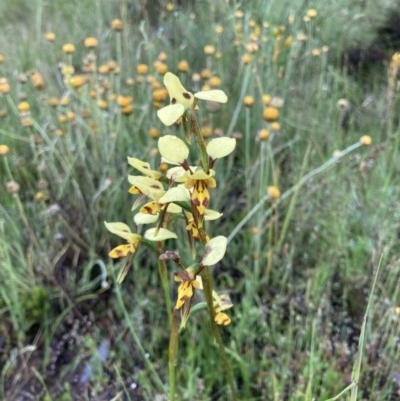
207 285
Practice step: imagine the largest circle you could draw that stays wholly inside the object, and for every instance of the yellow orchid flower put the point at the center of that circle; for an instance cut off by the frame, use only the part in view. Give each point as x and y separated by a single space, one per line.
174 151
123 231
221 303
181 99
189 282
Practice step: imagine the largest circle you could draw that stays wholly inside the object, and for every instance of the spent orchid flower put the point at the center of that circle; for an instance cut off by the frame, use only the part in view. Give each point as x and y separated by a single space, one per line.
181 99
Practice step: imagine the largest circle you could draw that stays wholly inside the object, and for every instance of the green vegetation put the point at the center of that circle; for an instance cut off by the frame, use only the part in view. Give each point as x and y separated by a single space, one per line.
310 207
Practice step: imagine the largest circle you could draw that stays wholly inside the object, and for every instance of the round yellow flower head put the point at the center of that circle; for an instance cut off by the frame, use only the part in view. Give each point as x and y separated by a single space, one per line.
78 81
65 100
252 47
23 107
142 69
366 140
162 68
270 114
103 69
219 29
154 133
312 13
266 99
4 149
325 48
127 110
1 58
288 41
205 73
209 49
26 122
62 118
170 6
53 102
206 131
4 86
218 56
254 230
102 104
116 25
239 14
215 82
3 113
273 192
159 95
315 52
124 101
263 135
130 82
68 48
246 58
248 101
163 56
50 36
183 66
112 66
90 43
275 127
40 196
37 81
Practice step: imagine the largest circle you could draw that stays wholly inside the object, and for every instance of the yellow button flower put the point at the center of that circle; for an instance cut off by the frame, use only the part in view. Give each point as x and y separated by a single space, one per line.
181 99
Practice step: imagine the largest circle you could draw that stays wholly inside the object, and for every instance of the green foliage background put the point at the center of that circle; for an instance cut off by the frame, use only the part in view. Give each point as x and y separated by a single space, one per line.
299 283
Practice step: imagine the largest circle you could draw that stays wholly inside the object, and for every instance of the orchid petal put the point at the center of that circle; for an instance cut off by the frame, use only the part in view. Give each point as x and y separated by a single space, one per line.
213 95
220 147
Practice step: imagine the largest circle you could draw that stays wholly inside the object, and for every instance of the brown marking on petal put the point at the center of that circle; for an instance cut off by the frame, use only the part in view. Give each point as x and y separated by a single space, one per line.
186 96
196 202
173 100
118 253
155 186
145 167
148 209
184 298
